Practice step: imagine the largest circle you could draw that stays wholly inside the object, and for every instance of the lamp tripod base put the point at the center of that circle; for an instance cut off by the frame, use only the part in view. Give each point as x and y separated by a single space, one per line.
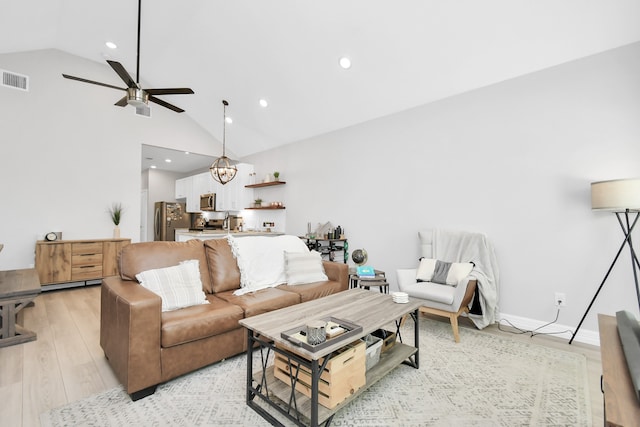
627 228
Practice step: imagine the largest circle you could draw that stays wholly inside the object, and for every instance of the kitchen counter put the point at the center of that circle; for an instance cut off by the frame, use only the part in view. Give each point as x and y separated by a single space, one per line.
183 236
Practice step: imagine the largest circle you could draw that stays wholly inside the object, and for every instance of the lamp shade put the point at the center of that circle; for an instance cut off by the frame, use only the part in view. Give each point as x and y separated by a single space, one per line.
616 195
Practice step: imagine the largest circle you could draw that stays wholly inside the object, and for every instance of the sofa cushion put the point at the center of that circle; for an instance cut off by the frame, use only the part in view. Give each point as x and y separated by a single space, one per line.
311 291
262 301
138 257
199 321
223 268
179 285
303 267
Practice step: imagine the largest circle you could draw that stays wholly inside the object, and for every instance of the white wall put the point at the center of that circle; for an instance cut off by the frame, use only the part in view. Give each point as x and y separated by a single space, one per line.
513 160
67 153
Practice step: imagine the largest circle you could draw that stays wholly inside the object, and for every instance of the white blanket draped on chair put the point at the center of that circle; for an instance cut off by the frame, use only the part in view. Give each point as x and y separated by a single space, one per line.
464 246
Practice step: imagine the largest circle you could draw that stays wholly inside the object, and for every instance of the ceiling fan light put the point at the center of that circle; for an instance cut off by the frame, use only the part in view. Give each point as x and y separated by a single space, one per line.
137 97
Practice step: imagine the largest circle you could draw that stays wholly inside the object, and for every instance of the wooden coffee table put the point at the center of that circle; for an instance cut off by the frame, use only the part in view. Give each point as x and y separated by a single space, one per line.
18 288
370 310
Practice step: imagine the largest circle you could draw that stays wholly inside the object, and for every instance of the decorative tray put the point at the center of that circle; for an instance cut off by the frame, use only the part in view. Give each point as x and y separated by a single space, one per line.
298 337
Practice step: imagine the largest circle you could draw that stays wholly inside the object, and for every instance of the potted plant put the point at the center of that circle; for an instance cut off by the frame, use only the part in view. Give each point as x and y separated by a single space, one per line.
258 203
276 175
116 215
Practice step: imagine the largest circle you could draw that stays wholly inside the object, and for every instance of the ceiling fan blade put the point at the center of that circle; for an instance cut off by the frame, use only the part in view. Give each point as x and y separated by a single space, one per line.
124 75
170 91
165 104
122 102
66 76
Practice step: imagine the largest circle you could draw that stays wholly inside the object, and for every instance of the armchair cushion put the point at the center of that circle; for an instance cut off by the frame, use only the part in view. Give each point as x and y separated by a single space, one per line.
179 286
441 272
435 295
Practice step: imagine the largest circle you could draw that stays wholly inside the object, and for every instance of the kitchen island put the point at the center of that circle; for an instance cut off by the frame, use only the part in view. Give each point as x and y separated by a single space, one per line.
183 236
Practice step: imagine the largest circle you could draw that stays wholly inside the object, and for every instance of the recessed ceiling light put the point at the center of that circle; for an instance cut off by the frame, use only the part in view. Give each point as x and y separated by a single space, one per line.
228 120
167 160
153 166
186 152
345 62
263 103
111 45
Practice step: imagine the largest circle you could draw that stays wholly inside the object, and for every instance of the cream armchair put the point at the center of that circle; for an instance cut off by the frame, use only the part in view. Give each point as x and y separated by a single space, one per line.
441 300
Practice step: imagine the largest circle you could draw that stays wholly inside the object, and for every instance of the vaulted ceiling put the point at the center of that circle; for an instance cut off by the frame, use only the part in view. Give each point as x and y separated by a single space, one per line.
404 53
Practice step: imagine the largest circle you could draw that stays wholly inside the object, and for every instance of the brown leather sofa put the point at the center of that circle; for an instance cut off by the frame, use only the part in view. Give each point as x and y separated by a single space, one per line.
146 347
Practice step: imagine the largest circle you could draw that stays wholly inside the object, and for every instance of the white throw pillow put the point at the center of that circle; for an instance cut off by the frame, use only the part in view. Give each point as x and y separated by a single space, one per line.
302 268
425 270
179 286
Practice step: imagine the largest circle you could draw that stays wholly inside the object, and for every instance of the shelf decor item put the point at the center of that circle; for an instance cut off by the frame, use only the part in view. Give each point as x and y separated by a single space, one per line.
116 216
222 170
257 203
276 176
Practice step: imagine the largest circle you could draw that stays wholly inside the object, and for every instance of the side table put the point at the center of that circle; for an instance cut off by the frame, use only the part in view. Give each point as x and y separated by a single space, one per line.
18 288
380 280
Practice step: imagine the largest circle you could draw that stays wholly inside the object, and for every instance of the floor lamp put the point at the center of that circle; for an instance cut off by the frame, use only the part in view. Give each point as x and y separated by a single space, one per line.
621 196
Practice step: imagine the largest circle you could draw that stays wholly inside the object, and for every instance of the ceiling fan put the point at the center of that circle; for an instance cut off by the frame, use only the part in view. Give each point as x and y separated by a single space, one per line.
136 95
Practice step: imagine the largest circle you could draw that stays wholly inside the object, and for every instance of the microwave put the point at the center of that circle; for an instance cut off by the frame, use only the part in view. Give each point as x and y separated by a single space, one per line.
208 202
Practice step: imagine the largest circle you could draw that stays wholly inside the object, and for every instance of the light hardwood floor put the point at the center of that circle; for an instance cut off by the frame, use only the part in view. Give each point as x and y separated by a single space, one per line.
66 362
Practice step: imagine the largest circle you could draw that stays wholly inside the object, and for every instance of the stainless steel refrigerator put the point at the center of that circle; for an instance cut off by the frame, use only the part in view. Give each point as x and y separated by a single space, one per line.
168 216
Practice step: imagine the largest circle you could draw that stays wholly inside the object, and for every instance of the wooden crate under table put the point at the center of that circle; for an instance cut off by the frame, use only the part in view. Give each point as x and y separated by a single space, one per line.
344 374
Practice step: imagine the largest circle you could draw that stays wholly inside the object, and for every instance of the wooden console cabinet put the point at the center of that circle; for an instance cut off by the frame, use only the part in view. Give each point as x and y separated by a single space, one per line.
68 261
621 407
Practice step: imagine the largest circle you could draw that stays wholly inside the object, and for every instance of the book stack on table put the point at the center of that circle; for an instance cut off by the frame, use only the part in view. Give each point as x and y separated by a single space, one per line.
365 272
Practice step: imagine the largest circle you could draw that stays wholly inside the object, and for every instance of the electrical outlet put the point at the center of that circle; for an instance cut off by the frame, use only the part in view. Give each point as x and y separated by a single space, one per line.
560 300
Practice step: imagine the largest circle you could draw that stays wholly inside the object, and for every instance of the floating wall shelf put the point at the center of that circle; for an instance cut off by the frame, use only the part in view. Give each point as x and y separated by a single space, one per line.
265 184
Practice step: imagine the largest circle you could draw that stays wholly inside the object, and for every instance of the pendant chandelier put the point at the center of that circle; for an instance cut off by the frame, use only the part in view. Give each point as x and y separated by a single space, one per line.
222 170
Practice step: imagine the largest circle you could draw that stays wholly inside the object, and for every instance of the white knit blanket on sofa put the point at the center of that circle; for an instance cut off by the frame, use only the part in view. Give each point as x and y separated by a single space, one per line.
261 260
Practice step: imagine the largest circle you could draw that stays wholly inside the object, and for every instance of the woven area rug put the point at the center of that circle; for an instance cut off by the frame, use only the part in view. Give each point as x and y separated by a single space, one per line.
485 380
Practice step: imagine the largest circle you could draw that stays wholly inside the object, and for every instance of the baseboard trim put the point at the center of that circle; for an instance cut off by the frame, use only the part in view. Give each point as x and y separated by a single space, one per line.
584 336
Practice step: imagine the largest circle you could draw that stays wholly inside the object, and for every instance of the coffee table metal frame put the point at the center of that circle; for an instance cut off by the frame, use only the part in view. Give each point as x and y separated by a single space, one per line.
283 397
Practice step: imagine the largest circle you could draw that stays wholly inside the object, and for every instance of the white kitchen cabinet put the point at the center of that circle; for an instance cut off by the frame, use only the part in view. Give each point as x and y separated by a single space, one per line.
193 196
183 187
198 185
201 184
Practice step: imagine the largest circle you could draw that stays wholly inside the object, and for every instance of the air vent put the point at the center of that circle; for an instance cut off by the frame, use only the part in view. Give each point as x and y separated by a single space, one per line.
15 80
